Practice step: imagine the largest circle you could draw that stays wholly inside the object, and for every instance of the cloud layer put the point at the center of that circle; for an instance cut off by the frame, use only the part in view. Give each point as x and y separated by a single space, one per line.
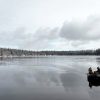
82 31
83 35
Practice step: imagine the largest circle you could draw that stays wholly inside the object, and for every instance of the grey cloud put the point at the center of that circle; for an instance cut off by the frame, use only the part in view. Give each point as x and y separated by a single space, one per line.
46 33
13 38
88 30
70 35
42 39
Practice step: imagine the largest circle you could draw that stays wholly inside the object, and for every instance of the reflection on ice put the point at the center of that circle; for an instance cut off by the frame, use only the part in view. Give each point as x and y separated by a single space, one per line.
47 78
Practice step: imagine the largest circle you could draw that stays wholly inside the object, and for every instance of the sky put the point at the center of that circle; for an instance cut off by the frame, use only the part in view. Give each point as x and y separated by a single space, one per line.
50 24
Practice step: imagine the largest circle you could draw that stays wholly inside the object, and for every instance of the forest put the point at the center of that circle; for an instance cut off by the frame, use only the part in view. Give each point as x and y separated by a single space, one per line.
7 52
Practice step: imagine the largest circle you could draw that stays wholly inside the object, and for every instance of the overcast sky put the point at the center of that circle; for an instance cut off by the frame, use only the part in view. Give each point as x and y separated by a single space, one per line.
50 24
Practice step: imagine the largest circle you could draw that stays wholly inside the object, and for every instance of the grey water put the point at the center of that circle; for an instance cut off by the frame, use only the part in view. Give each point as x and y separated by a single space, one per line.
48 78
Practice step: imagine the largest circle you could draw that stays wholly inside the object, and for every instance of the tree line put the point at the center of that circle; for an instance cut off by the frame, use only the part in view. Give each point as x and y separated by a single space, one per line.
18 52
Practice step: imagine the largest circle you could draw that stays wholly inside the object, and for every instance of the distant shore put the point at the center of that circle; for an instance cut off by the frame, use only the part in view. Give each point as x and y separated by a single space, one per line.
7 52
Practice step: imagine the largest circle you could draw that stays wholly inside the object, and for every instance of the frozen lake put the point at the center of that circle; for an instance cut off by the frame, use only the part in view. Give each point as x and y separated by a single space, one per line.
48 78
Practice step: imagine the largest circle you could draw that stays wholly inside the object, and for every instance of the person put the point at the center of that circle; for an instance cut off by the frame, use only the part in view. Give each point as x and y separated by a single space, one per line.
90 70
98 69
